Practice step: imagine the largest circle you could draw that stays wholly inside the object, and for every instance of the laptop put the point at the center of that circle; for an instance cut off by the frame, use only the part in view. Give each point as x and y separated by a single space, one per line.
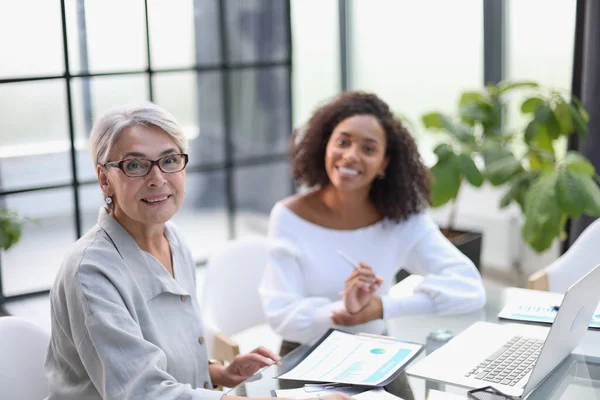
514 358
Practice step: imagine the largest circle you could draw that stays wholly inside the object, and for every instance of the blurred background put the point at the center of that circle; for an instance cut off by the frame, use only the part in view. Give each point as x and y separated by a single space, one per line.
239 75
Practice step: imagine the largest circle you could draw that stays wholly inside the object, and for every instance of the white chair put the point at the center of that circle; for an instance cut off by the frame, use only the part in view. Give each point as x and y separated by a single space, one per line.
579 259
23 346
231 306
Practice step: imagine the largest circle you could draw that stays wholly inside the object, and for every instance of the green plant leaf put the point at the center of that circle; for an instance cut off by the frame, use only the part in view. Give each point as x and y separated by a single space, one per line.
570 193
5 241
502 170
592 203
579 121
460 131
518 187
493 150
446 181
470 97
582 111
443 151
563 223
531 104
472 112
11 225
515 85
531 131
544 147
433 120
469 170
440 122
545 117
564 118
542 212
475 108
541 151
576 162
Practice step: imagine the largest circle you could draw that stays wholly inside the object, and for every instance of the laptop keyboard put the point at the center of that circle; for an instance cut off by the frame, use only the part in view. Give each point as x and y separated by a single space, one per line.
510 363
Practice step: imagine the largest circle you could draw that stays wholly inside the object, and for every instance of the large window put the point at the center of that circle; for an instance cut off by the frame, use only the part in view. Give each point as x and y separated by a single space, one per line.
317 64
417 55
222 67
539 46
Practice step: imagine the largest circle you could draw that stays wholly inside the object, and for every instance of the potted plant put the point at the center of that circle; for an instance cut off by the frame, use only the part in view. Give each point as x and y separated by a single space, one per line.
477 147
11 226
469 143
550 187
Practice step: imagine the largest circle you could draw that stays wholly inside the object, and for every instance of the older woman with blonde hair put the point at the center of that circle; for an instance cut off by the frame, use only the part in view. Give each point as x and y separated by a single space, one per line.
125 320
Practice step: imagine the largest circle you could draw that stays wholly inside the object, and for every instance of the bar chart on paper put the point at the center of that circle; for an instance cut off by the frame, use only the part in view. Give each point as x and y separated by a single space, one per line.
353 371
353 359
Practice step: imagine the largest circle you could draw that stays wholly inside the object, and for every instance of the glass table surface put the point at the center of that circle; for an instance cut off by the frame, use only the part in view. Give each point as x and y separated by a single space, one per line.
577 377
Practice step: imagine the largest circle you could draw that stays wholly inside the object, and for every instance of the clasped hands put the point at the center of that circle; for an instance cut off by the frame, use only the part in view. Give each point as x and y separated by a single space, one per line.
362 303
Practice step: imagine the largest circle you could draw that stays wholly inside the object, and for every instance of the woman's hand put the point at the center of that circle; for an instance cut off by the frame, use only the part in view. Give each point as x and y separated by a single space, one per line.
243 366
360 286
372 311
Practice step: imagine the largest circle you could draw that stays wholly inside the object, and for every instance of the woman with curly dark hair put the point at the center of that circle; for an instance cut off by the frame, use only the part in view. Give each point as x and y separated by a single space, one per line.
370 192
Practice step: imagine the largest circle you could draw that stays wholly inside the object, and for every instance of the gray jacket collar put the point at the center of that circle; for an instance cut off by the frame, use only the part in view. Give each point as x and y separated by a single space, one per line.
151 277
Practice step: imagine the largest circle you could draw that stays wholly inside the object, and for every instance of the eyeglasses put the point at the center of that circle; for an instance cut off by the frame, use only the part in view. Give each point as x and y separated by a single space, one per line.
138 167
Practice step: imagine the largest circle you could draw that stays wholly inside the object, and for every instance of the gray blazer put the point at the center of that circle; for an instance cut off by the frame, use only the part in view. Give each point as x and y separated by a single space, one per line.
122 327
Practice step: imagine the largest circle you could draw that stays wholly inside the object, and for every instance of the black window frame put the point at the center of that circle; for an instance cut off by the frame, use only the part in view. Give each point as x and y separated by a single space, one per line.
230 163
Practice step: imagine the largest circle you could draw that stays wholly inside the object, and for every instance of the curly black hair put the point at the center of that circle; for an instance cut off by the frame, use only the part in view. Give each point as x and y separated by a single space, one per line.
404 190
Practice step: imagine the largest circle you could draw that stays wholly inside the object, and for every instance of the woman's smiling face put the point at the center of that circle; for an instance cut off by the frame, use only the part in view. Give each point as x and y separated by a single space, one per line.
150 199
355 153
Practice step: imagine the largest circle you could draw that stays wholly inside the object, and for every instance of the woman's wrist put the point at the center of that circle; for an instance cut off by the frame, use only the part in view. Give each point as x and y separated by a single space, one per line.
217 374
358 311
378 306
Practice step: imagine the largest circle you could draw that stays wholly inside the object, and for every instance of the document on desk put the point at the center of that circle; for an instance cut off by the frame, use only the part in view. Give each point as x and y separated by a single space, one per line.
354 359
542 312
356 392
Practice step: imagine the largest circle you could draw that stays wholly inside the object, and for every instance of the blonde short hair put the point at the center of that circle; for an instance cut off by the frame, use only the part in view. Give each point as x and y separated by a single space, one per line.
108 128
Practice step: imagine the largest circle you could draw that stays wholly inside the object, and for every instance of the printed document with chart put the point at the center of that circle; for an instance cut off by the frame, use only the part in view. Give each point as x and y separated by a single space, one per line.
540 308
354 359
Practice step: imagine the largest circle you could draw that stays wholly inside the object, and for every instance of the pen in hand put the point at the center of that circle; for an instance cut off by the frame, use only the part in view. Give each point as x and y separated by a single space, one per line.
354 265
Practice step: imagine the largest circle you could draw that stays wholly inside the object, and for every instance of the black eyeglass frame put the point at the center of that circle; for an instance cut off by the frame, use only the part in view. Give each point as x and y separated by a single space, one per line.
119 164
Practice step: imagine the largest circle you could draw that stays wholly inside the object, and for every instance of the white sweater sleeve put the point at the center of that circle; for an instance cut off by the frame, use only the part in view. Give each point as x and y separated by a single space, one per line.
290 312
452 284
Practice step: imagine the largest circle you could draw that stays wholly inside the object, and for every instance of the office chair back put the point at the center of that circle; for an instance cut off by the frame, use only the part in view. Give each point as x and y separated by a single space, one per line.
23 346
582 257
230 301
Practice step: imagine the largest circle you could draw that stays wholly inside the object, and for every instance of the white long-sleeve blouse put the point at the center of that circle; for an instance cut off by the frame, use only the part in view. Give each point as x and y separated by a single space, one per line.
304 275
